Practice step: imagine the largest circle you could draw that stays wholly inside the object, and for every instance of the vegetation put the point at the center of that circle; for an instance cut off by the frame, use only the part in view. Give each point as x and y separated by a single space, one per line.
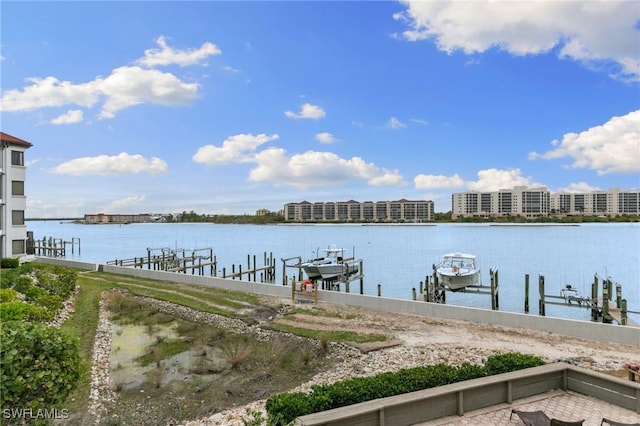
40 365
334 336
285 408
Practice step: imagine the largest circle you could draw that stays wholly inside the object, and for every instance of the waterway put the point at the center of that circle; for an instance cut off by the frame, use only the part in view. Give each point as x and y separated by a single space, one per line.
398 257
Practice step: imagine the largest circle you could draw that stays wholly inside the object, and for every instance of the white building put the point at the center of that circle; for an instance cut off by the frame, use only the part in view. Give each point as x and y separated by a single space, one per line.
13 201
368 211
519 201
536 202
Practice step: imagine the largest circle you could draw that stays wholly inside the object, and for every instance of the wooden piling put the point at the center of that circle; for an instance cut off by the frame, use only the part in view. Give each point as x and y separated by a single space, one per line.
541 295
526 293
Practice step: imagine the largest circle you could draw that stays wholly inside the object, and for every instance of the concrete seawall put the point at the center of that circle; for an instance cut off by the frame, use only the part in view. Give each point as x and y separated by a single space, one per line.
606 333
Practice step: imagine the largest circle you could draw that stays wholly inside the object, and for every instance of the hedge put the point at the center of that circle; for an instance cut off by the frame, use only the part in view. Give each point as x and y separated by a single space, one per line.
284 408
39 365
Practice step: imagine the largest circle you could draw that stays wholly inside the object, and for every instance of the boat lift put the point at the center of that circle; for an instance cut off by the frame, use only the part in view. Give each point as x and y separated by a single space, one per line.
435 292
295 262
599 312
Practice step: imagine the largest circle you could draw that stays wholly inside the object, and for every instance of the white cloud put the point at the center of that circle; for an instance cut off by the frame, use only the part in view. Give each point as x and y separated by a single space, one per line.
613 147
125 87
121 164
50 92
313 169
438 181
235 149
495 179
70 117
589 32
308 111
122 205
129 86
579 187
394 123
166 55
325 137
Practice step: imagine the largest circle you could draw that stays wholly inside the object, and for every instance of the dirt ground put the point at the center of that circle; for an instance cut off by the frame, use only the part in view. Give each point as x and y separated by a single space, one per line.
414 330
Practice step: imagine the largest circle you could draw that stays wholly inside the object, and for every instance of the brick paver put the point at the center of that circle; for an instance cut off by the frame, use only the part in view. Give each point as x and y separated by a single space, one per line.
559 404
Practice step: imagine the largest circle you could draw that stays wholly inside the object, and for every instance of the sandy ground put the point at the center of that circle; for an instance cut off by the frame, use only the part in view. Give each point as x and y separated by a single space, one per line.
418 331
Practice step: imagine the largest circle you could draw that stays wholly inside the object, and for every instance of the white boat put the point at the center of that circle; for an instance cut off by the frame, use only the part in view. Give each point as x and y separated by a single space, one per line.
458 270
571 294
331 266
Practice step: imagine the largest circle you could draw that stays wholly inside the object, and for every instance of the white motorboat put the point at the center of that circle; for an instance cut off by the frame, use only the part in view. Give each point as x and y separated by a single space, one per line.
571 294
331 266
458 270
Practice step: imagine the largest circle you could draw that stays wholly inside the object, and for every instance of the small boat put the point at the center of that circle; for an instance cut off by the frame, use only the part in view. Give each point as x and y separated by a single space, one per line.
571 294
458 270
331 266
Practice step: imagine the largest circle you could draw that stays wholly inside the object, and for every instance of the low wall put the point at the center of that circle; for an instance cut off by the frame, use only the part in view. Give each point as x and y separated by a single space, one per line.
588 330
459 398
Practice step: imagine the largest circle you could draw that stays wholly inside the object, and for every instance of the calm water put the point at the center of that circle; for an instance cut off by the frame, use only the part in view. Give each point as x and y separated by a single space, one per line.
399 256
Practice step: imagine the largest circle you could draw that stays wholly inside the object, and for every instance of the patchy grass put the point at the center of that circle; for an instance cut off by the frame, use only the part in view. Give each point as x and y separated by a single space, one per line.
82 324
164 349
334 336
322 312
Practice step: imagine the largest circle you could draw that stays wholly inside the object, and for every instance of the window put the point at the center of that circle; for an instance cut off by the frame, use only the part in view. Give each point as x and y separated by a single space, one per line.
17 217
17 247
17 158
17 187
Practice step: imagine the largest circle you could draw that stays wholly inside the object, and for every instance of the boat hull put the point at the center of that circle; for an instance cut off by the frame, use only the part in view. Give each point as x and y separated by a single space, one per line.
337 270
457 281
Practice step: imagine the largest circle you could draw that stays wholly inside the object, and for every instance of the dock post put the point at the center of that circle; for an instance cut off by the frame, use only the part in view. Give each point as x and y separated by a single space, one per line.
361 277
494 289
618 296
526 293
421 287
605 301
293 288
379 290
623 312
413 293
594 299
541 293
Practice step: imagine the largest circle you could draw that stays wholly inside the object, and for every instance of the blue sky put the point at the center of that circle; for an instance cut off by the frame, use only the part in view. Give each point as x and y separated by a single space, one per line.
229 107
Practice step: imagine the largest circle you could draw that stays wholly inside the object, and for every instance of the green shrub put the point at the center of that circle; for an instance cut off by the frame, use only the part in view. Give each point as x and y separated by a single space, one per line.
59 281
8 295
39 365
9 263
497 364
52 303
22 283
285 408
22 311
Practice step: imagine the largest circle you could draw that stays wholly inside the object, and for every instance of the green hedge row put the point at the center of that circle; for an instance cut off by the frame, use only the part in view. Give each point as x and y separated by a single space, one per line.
40 365
285 408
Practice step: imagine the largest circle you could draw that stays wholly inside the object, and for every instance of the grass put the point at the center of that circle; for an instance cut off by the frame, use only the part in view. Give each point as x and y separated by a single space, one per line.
82 324
321 312
281 363
335 336
162 350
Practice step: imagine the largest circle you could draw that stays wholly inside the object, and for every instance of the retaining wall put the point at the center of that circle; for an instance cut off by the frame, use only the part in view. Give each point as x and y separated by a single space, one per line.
462 397
573 328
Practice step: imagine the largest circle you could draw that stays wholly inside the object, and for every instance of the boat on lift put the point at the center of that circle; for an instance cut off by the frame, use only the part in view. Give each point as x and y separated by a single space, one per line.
458 270
571 294
331 266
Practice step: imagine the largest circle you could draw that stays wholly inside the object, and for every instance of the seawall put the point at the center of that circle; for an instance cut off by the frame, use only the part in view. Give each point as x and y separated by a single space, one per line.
606 333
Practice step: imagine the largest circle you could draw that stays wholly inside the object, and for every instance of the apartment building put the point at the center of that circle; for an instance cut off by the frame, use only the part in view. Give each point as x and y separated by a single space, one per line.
536 202
368 211
101 218
611 202
13 200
